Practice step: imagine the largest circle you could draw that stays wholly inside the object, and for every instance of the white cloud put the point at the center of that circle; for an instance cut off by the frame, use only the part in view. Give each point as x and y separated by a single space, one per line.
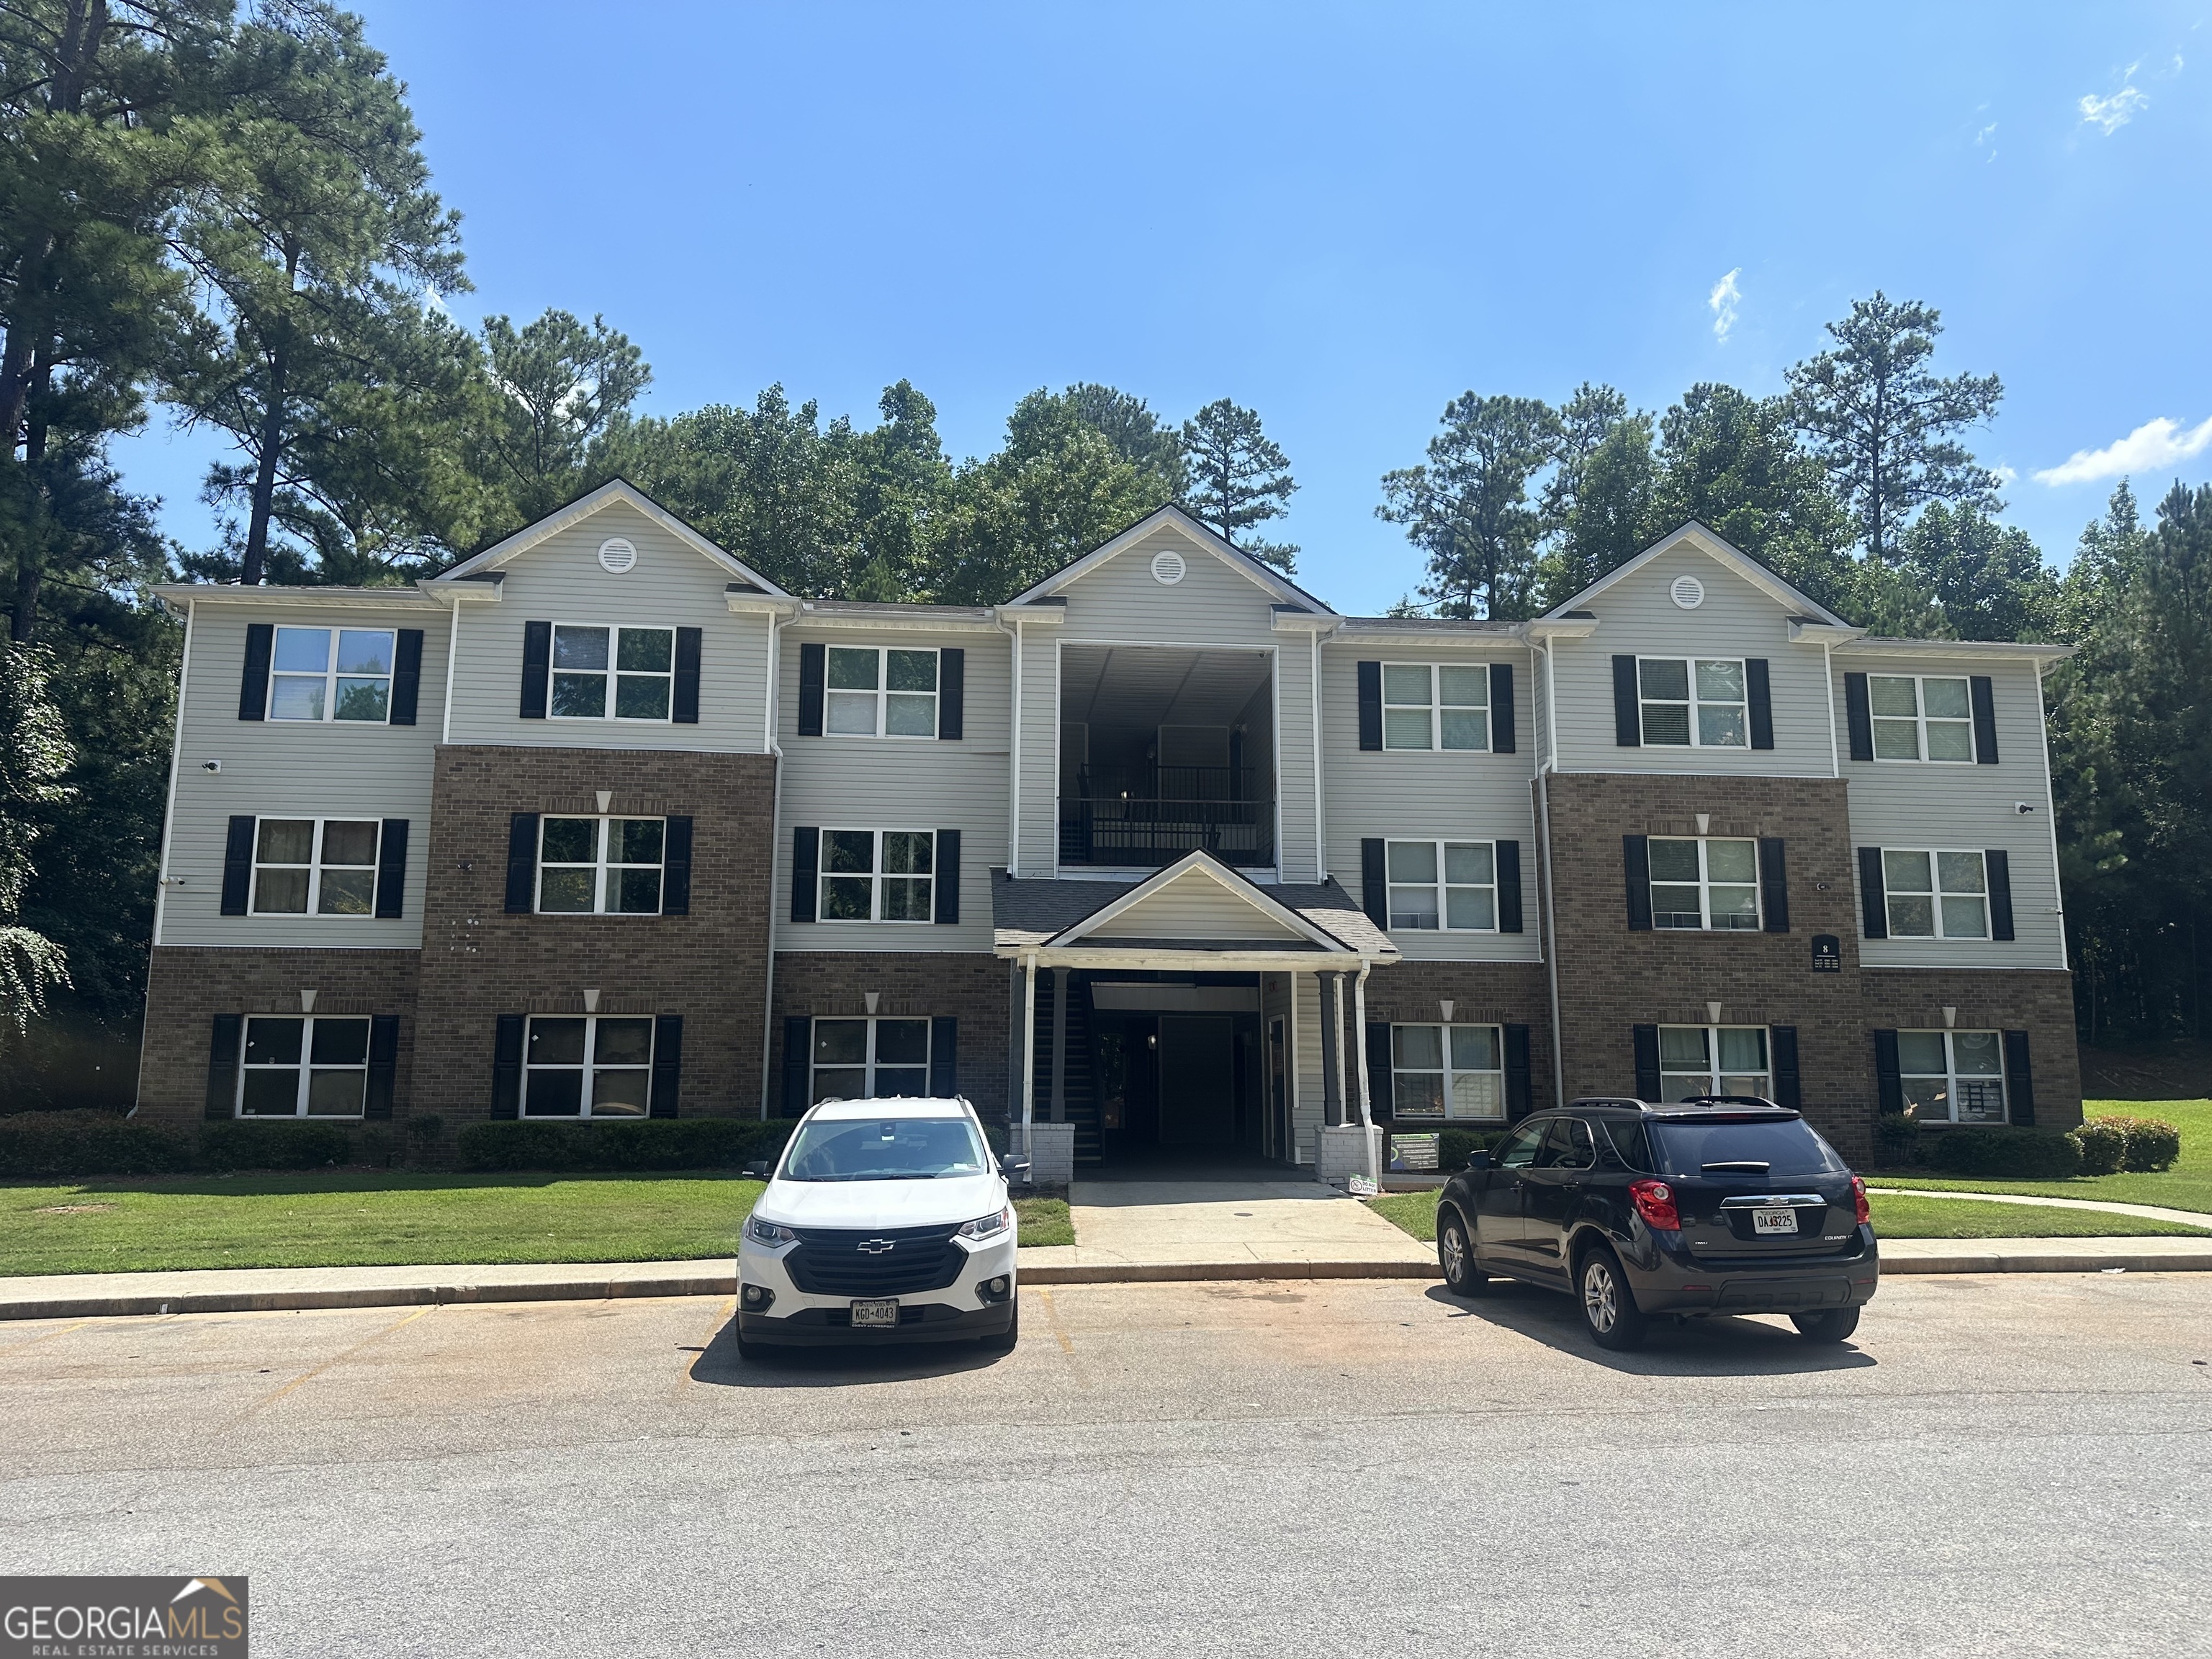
1725 299
2113 112
2152 447
2005 475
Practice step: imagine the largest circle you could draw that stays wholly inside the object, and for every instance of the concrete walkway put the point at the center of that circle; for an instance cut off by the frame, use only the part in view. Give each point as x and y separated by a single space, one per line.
1162 1230
2147 1211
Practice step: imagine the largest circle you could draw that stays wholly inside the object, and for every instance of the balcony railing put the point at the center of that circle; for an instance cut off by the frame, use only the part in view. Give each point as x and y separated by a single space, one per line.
1122 831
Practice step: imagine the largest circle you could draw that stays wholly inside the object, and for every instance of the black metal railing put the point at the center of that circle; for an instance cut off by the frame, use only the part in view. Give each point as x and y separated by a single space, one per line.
1131 832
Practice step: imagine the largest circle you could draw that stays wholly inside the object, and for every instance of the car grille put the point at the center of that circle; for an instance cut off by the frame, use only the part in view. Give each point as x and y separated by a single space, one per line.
831 1262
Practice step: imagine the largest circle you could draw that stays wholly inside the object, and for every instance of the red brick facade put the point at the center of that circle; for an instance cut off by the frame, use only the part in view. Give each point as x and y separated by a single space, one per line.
968 986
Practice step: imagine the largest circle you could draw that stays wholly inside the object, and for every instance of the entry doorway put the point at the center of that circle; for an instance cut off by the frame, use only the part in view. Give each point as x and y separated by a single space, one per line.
1177 1083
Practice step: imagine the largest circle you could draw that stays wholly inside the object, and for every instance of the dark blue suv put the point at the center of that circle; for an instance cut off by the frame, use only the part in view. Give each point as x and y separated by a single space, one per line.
1719 1205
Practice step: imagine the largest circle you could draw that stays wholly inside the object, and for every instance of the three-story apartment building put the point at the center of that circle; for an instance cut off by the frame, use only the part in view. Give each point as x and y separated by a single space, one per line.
1162 857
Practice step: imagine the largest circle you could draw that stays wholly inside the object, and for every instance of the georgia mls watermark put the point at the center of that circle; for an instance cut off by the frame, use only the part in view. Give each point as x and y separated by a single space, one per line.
123 1619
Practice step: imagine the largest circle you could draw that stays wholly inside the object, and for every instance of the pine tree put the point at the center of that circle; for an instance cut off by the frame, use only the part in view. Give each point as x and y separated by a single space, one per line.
1236 478
1466 506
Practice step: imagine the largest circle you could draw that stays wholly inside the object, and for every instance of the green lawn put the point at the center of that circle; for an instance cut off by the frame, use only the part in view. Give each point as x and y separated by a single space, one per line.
1415 1212
1044 1221
2186 1186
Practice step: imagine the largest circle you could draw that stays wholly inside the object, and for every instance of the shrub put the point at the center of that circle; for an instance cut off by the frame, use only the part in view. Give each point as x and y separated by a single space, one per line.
244 1143
691 1143
2039 1154
90 1143
2152 1143
2103 1143
1897 1140
425 1130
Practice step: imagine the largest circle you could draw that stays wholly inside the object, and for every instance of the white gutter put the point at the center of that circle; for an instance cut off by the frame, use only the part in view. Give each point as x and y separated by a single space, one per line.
776 623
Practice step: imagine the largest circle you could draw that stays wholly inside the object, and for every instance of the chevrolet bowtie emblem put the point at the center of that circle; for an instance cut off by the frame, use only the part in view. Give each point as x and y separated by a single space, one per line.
874 1246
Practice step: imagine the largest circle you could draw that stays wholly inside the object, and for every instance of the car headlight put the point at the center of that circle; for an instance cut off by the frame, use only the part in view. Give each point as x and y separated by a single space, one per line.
770 1233
988 1226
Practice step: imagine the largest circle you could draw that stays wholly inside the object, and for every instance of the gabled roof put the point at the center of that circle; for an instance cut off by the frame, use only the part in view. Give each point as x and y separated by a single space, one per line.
1262 574
1049 915
1716 547
567 517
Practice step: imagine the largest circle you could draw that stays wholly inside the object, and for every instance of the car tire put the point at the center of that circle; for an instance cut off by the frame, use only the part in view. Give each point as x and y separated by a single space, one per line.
1833 1325
1004 1341
1608 1305
753 1353
1463 1274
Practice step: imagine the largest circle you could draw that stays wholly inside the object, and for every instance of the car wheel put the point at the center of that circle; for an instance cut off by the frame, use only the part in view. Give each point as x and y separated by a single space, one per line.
1833 1325
753 1353
1455 1255
1005 1341
1608 1305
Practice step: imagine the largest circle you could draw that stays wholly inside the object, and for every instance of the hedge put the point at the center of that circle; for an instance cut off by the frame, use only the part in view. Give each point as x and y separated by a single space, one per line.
1456 1146
242 1144
2037 1154
2152 1143
690 1143
91 1143
2103 1143
1897 1140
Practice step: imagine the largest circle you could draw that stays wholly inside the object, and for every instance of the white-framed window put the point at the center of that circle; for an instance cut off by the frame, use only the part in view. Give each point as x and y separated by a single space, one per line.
586 1066
1937 895
600 867
1707 882
878 1058
1951 1077
332 674
1448 1072
304 1066
315 866
881 691
1449 885
877 875
1714 1060
602 673
1694 702
1921 717
1436 705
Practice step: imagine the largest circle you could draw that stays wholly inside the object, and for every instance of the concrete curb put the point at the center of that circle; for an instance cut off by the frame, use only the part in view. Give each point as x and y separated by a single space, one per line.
367 1296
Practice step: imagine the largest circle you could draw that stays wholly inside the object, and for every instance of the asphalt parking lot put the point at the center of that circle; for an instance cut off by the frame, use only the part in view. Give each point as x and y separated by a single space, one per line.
2012 1464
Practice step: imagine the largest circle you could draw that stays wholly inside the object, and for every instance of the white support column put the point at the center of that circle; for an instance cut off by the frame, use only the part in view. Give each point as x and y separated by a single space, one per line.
1360 1043
1332 1053
1029 1048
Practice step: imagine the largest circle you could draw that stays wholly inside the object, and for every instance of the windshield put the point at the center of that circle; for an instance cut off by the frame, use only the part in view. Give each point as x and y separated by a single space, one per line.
887 1149
1786 1148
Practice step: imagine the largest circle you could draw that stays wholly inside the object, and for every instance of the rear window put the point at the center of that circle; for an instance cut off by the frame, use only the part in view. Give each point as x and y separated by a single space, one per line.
1787 1147
1633 1145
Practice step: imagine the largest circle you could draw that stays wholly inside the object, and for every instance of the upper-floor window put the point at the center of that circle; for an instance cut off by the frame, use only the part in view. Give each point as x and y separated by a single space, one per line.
608 866
1694 702
881 691
1951 1077
315 866
869 1058
1447 1071
1921 717
304 1066
1444 883
588 1066
612 673
1713 1059
1935 894
331 674
1436 706
1704 882
877 875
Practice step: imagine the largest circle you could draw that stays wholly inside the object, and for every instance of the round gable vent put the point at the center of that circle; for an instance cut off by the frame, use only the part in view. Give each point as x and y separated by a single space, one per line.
617 555
1687 592
1168 568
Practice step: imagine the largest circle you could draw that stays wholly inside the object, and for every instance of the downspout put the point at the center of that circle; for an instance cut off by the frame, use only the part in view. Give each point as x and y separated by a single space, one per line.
2051 816
1029 1049
1551 941
168 831
775 626
1320 813
1360 1054
1013 631
453 656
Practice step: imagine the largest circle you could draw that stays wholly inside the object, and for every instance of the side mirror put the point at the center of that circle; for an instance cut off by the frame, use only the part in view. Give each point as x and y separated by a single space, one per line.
1478 1160
758 1169
1011 1167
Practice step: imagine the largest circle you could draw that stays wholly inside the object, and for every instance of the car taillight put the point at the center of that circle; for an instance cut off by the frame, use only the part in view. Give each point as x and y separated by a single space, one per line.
1655 1202
1859 1198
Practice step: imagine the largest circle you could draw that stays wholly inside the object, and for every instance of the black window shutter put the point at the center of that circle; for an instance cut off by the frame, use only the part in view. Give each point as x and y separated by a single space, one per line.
1858 714
1999 865
537 667
683 710
944 1057
1501 708
1646 1041
813 673
1636 872
1762 702
2020 1080
667 1065
506 1068
1874 896
676 868
1782 1054
1519 1099
1374 885
1382 1098
1509 887
1371 705
1888 1079
952 693
238 865
1774 884
223 1066
406 676
798 1039
1985 719
522 863
253 684
948 876
1628 714
383 1064
805 867
391 870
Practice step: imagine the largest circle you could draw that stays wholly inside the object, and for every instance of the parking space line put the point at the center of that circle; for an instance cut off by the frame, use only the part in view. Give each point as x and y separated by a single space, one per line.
684 1379
14 1346
336 1358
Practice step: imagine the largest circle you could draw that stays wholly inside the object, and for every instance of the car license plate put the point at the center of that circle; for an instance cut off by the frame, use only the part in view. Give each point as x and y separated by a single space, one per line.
877 1313
1769 1221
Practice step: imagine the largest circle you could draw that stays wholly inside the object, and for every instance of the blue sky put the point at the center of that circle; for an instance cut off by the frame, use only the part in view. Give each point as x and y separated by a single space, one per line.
1341 216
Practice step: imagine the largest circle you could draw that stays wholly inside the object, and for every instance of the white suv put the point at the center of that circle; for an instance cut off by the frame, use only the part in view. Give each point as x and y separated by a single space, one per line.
885 1220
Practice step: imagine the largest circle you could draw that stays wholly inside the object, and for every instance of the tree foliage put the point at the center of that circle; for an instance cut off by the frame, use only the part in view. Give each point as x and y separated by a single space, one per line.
1237 478
1466 506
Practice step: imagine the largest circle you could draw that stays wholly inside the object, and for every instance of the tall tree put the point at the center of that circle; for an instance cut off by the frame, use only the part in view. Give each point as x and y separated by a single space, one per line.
1988 578
1126 421
34 759
557 385
1468 509
1882 422
1597 503
1236 477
